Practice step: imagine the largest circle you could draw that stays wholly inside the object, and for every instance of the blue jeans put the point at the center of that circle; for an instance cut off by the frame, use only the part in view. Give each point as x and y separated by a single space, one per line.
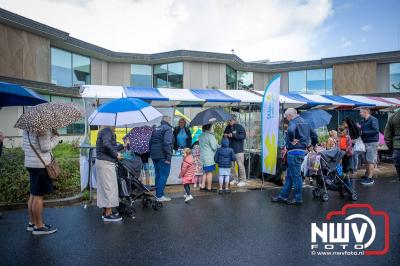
396 158
293 178
161 170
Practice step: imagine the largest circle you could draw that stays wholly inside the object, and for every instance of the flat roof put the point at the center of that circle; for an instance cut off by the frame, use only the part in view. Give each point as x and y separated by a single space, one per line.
63 40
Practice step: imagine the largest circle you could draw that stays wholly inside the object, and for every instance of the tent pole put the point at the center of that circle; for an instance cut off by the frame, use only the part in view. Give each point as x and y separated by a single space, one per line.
248 144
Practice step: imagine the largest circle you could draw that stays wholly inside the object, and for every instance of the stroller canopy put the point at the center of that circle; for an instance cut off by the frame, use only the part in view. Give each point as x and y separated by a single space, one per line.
330 158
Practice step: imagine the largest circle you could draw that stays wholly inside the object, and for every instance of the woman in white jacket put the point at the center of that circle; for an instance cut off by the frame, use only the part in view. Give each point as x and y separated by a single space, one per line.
40 182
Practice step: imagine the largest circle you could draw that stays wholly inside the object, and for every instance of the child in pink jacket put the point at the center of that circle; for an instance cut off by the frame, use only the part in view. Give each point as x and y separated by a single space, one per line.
187 172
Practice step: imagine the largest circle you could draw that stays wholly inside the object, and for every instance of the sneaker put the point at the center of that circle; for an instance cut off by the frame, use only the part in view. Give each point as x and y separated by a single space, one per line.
278 200
195 185
233 183
227 191
164 198
45 230
113 212
188 198
184 196
242 184
220 191
367 182
112 218
30 227
294 202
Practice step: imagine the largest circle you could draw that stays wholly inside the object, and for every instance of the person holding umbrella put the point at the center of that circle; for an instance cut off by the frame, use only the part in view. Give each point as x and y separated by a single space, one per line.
39 139
107 187
208 147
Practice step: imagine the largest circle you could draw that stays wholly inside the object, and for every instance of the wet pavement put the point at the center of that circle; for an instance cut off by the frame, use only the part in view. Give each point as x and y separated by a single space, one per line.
238 229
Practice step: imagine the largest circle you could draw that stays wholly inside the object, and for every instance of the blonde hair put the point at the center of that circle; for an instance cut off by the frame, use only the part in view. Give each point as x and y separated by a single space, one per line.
187 151
333 133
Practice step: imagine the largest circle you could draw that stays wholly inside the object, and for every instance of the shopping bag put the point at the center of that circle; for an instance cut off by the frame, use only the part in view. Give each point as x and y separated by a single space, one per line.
359 145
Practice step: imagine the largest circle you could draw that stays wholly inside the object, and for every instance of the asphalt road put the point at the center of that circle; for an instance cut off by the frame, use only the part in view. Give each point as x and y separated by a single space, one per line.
237 229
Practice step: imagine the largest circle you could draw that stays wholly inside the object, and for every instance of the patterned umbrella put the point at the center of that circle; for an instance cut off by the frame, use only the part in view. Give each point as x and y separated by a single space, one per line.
139 139
47 116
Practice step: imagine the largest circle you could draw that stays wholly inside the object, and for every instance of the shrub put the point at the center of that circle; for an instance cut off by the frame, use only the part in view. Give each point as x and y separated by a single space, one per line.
14 179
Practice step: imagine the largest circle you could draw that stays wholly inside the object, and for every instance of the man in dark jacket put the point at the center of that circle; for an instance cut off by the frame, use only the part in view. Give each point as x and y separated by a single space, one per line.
370 137
392 139
236 134
298 137
161 144
182 136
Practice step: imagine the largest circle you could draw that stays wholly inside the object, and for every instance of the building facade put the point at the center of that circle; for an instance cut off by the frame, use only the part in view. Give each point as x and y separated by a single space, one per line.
55 64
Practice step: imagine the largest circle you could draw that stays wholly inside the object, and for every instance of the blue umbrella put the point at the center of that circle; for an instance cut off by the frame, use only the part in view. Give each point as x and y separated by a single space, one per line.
122 112
15 95
316 118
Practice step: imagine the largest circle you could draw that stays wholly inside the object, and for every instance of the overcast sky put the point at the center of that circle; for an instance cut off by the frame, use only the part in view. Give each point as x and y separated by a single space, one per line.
255 29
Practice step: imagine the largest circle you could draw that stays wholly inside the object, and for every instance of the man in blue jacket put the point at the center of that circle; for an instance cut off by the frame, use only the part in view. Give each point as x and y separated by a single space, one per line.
161 144
298 137
370 137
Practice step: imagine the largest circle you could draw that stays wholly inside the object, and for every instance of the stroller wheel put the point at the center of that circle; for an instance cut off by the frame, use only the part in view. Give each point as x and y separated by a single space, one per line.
325 197
146 203
154 205
354 196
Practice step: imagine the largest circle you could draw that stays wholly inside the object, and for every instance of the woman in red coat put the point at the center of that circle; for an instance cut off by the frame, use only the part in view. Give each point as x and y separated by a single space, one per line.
187 172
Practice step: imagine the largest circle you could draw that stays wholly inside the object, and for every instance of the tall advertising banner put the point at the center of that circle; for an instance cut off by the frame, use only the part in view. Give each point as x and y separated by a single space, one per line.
270 125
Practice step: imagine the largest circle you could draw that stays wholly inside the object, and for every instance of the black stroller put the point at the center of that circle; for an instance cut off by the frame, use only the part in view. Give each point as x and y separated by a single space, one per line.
131 188
330 176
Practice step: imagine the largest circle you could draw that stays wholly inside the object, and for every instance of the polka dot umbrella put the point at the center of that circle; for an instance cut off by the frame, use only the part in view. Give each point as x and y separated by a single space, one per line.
47 116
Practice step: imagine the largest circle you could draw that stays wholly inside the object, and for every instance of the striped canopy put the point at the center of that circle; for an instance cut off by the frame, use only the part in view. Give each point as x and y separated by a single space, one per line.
165 97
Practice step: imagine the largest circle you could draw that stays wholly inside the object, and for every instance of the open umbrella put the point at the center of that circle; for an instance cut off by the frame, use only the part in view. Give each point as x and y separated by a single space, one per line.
123 112
139 139
47 116
316 118
15 95
210 116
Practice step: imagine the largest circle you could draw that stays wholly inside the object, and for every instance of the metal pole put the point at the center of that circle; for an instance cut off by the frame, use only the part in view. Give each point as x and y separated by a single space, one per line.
248 144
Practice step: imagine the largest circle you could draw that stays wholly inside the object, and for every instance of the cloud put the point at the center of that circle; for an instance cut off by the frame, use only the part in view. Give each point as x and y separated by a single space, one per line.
346 42
366 27
278 30
343 6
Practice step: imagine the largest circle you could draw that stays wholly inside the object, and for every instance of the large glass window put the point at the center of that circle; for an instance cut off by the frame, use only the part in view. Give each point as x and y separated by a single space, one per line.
394 71
230 78
329 81
245 80
68 69
168 75
61 67
316 81
312 81
141 76
297 82
81 66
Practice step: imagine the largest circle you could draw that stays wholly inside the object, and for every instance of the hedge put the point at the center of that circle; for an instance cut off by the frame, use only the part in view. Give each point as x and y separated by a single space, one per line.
14 179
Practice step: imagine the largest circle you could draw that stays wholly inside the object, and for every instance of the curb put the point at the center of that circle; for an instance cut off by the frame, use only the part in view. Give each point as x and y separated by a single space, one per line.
47 203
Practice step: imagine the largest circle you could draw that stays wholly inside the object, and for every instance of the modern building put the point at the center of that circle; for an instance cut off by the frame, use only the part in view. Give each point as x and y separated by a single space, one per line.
53 63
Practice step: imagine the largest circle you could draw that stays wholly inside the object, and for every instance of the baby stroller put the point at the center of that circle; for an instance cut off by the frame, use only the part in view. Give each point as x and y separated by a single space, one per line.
330 176
131 188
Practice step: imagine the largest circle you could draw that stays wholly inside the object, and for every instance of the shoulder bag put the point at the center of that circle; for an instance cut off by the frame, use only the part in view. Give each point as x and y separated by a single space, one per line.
53 169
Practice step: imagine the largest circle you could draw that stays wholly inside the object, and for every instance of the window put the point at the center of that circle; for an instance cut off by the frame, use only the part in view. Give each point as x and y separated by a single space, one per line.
68 69
61 71
312 81
141 76
297 82
245 80
230 78
81 66
316 81
77 128
168 75
394 71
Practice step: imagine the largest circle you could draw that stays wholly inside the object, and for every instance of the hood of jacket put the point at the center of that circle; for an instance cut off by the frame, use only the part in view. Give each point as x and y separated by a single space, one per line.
225 143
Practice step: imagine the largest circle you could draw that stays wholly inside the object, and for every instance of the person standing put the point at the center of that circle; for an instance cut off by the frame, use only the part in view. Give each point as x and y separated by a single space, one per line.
198 166
208 147
182 136
370 136
38 147
107 186
161 144
392 139
236 134
224 158
187 173
299 136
